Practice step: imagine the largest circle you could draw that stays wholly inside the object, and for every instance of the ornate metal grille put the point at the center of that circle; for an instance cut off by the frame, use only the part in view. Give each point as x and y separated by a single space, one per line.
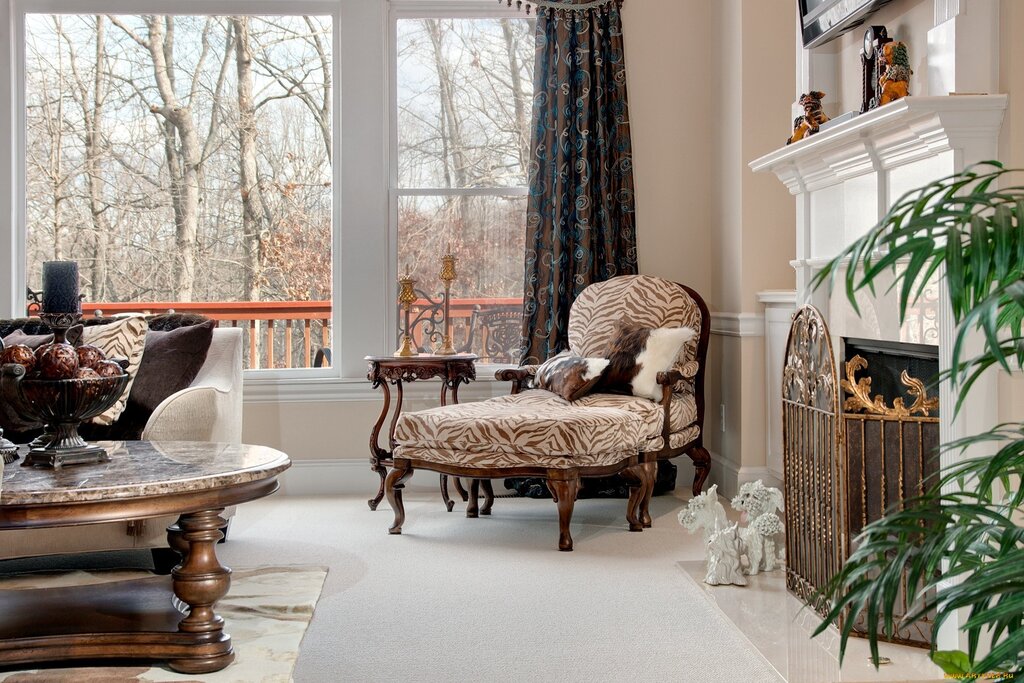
890 453
815 473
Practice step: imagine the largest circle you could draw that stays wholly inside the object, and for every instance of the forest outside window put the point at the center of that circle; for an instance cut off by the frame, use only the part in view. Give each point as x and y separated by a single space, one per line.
185 161
464 91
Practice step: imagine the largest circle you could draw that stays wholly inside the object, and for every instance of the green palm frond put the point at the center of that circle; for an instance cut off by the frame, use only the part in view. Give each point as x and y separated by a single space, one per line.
960 546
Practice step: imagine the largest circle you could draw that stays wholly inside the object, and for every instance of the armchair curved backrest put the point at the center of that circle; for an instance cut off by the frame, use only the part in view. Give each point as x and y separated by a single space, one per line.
648 301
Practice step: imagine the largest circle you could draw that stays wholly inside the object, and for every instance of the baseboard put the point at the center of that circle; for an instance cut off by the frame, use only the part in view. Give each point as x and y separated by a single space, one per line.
342 477
730 477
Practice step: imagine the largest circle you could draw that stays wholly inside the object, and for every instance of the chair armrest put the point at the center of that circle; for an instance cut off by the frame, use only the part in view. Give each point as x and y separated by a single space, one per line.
670 378
197 413
520 377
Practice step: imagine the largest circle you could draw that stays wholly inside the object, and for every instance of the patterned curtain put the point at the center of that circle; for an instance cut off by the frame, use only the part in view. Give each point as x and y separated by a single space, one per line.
580 221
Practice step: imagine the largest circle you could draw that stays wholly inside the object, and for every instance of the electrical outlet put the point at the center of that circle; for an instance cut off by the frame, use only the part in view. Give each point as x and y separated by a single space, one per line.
722 407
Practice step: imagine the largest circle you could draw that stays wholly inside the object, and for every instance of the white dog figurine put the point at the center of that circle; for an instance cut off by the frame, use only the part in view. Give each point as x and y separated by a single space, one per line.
762 537
704 512
724 565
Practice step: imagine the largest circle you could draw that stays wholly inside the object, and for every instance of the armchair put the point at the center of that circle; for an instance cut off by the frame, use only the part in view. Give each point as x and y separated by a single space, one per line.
535 433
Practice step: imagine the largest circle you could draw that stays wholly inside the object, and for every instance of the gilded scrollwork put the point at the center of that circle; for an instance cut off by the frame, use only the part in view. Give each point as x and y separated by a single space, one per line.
860 399
809 377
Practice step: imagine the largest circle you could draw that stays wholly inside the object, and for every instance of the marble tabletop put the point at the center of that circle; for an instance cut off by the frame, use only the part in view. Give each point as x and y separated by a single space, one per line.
138 469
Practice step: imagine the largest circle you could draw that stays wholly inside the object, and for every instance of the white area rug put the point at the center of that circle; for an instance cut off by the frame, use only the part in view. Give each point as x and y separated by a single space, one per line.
266 612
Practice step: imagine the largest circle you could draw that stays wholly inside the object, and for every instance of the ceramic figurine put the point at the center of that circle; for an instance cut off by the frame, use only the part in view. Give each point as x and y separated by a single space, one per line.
894 83
724 565
762 537
813 116
704 512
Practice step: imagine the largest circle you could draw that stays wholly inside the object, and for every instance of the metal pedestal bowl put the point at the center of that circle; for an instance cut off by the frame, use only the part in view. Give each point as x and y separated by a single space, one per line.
62 405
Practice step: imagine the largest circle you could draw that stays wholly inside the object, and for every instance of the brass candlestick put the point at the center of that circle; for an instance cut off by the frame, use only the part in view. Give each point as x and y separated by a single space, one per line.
406 298
447 277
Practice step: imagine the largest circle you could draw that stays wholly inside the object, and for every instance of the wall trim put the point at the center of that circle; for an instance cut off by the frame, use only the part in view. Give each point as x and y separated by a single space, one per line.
334 389
737 324
343 477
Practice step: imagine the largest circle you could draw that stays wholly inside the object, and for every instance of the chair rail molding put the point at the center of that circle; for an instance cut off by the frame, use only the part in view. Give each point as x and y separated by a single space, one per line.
737 324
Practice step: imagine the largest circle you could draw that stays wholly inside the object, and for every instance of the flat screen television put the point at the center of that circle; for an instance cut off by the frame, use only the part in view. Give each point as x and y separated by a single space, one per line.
823 20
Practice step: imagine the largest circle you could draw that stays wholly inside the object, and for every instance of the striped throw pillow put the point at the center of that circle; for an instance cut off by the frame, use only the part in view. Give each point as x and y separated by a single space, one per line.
125 338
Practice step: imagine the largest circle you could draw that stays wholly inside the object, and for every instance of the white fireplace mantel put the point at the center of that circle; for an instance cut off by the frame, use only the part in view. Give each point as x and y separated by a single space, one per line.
899 133
845 179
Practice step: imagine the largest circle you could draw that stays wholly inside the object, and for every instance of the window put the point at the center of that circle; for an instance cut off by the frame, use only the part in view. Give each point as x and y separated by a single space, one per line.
463 95
185 161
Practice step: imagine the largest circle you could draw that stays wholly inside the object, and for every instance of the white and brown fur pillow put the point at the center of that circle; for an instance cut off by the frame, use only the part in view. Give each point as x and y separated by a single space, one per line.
570 376
636 355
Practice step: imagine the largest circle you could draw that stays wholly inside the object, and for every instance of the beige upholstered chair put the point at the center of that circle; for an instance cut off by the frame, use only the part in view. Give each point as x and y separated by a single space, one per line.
208 410
536 433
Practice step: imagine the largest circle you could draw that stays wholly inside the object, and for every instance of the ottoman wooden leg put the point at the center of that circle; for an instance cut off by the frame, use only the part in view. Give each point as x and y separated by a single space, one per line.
650 470
564 491
473 508
488 490
636 477
393 488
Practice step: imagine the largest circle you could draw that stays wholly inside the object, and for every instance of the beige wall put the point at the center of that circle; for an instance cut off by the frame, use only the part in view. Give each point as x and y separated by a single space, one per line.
676 127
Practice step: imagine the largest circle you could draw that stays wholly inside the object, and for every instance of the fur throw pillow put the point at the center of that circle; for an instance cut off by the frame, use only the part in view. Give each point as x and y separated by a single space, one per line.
570 376
637 354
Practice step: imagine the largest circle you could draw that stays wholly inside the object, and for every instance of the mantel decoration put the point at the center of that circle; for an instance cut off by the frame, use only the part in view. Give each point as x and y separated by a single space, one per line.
58 384
810 121
555 5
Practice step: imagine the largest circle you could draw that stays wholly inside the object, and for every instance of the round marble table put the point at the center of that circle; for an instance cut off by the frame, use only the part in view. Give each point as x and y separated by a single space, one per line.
163 618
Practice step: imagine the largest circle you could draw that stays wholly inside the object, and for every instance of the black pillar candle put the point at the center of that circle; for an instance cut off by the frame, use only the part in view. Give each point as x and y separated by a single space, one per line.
60 287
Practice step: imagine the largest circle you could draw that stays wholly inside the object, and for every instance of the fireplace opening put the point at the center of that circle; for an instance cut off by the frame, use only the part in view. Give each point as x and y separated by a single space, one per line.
886 362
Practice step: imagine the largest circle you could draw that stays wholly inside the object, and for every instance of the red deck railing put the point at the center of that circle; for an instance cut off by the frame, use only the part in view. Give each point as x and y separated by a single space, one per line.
287 334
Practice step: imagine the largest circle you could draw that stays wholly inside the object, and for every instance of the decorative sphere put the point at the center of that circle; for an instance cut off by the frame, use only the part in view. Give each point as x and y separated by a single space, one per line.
89 355
86 373
58 361
21 355
108 368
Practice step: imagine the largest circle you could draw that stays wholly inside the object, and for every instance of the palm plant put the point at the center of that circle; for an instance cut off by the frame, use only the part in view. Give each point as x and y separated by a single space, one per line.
961 545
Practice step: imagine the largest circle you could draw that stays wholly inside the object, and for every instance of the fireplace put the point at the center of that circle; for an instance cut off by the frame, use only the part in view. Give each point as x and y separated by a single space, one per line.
858 440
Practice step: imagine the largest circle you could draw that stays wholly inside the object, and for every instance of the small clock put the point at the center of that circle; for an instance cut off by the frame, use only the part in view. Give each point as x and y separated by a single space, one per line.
869 43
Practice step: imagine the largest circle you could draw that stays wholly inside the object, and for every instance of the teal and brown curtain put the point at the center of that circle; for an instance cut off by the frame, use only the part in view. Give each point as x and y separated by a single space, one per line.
580 221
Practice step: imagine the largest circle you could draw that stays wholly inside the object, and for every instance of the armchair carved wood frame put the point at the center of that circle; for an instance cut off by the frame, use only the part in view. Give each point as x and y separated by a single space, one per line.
638 468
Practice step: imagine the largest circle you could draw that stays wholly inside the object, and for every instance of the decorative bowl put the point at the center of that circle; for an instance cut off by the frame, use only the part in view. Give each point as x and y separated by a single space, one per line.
62 405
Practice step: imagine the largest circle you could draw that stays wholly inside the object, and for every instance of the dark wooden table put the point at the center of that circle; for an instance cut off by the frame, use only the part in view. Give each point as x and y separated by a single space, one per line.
387 371
135 619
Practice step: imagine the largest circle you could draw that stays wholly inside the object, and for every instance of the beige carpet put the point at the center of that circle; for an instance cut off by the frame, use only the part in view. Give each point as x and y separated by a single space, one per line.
491 599
267 612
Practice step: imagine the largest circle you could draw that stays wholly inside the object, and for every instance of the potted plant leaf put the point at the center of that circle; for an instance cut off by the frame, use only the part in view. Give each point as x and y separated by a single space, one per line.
961 544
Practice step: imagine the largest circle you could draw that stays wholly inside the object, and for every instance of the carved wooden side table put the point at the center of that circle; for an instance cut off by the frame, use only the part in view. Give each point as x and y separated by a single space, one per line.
387 371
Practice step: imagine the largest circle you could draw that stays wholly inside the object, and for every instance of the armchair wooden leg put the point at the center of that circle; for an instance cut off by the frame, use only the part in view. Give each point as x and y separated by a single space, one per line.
393 486
702 468
650 476
473 508
448 502
636 477
564 491
488 490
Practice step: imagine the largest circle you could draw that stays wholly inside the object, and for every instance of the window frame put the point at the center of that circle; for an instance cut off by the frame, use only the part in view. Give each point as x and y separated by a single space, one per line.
431 9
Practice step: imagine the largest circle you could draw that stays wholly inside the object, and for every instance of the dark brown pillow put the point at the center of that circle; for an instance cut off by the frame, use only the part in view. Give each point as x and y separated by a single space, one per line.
33 341
637 354
570 376
170 362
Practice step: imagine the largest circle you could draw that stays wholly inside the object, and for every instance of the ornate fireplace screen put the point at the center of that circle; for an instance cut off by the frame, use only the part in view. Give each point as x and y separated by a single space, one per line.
844 469
890 454
814 472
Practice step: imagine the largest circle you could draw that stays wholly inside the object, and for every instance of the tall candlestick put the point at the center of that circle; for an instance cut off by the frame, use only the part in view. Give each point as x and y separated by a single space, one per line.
60 287
448 276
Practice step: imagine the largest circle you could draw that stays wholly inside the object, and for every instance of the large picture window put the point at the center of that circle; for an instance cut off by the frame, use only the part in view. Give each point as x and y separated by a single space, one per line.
185 161
464 91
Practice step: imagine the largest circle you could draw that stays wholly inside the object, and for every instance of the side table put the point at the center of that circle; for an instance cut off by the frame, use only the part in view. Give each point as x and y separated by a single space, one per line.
387 371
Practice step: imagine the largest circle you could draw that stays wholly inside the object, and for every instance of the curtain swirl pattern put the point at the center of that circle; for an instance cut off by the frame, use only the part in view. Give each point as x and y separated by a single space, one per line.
580 220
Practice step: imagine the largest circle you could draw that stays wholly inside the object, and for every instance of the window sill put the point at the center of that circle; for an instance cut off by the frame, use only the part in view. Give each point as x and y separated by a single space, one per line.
335 389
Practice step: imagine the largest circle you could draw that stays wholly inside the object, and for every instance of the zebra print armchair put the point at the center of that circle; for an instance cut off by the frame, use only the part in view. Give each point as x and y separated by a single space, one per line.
535 433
